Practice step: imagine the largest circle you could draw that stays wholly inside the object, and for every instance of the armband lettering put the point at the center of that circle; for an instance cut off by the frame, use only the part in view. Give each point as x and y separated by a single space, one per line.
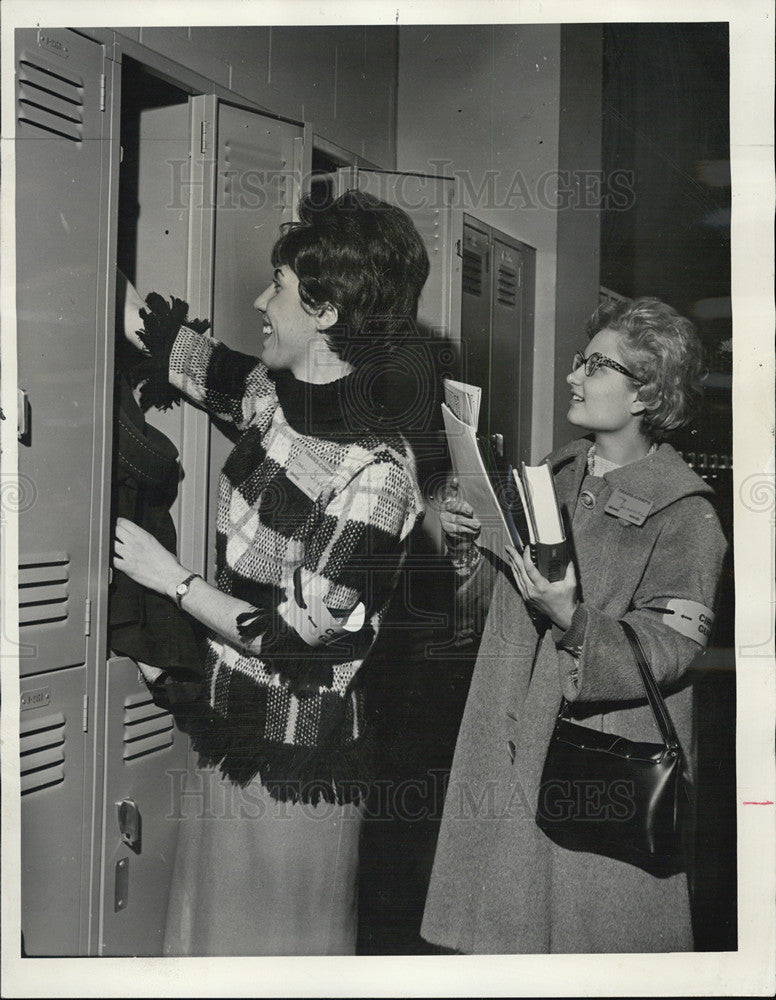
689 618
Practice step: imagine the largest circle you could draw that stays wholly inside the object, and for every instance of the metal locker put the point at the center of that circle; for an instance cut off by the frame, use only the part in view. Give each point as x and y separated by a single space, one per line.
54 824
168 181
64 158
475 314
511 376
155 173
428 201
160 243
60 159
145 754
497 333
258 173
212 183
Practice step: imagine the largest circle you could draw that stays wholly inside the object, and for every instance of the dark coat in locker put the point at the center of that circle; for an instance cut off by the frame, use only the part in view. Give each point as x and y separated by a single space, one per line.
144 625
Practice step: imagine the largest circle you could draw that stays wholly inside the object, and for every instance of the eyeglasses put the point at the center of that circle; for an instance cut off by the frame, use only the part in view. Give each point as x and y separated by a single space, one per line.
596 361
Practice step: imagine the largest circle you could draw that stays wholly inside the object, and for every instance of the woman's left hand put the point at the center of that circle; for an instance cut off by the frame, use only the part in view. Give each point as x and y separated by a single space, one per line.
145 560
556 600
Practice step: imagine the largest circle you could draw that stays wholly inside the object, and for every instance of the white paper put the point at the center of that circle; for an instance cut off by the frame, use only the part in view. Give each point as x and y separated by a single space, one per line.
473 483
464 400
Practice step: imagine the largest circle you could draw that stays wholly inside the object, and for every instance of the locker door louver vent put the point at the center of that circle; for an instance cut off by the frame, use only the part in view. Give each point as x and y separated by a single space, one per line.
148 729
43 588
506 290
471 279
50 101
42 752
252 177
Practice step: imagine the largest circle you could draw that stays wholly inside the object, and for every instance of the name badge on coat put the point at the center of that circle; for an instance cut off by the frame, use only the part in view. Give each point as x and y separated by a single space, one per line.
628 507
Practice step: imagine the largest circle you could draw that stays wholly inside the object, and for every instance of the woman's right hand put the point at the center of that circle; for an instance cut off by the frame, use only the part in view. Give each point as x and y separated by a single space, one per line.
132 304
459 523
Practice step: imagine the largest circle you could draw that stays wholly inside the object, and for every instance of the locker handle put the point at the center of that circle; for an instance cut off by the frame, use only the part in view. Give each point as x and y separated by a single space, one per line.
23 416
130 824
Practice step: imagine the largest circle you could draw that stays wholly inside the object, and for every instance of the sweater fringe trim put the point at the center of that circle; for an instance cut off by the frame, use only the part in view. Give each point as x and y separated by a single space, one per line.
161 324
292 773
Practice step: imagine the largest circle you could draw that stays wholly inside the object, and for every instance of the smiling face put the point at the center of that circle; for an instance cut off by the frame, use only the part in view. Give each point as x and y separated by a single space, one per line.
292 334
606 401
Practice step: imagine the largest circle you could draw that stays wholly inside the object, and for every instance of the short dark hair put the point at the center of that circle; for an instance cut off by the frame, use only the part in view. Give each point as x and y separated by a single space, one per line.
663 350
362 256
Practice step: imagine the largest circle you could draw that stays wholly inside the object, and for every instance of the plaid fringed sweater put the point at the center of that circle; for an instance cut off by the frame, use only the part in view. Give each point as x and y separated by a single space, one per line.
291 713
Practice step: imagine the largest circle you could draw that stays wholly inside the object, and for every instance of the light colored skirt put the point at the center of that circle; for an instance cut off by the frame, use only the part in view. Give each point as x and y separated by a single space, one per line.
254 876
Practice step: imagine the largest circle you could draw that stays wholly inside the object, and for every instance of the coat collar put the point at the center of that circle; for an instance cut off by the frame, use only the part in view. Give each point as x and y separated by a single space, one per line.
662 477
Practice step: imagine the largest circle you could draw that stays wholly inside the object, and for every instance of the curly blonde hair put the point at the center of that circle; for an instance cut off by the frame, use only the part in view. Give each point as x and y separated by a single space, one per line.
664 351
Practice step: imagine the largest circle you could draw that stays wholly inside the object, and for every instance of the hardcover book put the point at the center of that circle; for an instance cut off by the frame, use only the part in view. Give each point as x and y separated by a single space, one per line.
547 535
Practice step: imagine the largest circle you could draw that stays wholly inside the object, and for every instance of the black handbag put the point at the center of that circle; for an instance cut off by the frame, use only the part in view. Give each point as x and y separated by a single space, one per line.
607 795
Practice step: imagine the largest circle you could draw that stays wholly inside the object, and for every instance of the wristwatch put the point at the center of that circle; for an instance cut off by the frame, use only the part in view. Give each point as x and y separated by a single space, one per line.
183 588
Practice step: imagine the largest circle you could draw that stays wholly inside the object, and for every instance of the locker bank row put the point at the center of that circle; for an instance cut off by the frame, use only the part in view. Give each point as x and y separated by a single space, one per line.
175 156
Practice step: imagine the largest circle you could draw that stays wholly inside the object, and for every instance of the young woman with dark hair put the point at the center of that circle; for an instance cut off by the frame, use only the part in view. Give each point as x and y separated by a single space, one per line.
315 503
498 883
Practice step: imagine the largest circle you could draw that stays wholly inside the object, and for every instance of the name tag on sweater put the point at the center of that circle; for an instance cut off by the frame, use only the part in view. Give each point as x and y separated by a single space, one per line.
628 507
310 473
311 619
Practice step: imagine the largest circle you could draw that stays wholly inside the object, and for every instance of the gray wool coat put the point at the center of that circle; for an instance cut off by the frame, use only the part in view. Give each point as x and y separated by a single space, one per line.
498 883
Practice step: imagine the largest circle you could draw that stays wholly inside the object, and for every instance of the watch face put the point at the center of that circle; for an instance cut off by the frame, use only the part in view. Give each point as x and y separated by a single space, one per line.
182 589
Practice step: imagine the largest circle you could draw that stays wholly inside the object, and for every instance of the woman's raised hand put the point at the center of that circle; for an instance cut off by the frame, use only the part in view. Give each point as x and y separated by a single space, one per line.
132 304
459 523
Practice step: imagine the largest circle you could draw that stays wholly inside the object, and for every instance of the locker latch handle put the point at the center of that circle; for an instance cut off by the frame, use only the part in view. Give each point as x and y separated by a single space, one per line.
23 416
130 824
497 440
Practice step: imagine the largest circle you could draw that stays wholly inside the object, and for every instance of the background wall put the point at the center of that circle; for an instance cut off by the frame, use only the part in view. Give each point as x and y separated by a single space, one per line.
341 79
579 211
483 102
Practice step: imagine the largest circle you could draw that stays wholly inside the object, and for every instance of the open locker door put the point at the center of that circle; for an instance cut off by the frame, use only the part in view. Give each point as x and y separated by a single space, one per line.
63 153
257 186
428 200
210 244
166 218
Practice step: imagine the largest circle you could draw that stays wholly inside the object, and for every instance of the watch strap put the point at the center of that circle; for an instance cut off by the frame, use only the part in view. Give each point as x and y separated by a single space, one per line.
180 593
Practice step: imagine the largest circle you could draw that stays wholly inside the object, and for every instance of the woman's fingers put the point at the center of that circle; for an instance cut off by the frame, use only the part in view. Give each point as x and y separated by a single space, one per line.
531 572
460 526
515 561
457 525
133 303
457 505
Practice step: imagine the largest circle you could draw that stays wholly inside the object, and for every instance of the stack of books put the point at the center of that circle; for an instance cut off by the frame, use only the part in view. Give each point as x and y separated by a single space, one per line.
506 502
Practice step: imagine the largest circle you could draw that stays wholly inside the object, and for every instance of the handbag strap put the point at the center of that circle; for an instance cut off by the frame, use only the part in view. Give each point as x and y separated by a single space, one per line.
654 697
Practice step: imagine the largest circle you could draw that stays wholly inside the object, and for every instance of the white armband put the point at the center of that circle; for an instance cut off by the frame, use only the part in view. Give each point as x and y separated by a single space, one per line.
689 618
